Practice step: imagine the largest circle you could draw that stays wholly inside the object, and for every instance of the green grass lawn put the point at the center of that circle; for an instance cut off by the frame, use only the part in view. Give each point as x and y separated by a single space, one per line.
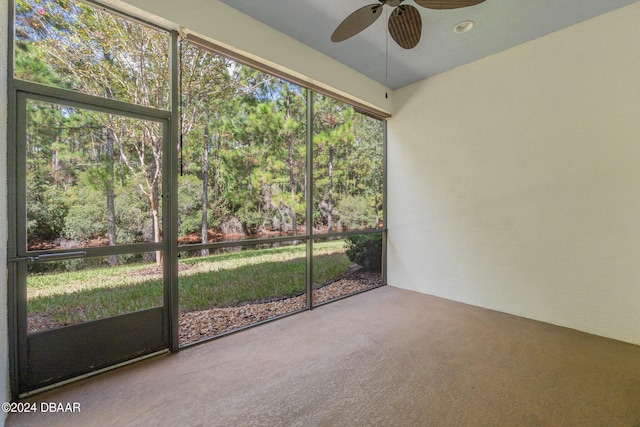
213 281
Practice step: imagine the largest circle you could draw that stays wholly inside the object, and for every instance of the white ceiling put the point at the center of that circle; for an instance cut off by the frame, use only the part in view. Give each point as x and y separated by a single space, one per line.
499 25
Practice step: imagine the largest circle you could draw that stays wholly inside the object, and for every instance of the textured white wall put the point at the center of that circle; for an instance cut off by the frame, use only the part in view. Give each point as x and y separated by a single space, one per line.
232 29
4 353
514 181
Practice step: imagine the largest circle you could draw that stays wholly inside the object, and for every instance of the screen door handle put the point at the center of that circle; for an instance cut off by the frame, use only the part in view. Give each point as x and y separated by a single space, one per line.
50 257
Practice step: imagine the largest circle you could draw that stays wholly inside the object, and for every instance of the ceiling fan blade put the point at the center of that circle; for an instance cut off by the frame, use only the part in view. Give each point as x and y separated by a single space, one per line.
356 22
405 26
447 4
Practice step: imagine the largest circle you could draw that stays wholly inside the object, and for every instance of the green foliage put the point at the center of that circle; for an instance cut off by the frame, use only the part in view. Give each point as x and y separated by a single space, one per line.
243 137
32 68
356 213
365 250
133 222
94 175
190 207
47 211
87 216
251 220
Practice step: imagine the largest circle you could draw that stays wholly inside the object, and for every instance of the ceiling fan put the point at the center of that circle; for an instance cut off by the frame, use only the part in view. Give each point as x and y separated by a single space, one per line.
405 24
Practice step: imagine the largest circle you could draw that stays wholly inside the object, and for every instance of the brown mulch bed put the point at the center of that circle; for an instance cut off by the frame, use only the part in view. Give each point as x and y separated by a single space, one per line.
198 325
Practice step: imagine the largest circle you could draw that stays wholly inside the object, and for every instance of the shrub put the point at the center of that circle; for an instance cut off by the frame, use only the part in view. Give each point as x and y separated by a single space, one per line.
365 250
85 222
190 206
356 213
87 215
250 219
46 211
134 222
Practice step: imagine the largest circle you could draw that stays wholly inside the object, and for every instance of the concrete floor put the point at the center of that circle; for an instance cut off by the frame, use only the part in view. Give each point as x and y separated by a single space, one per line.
386 357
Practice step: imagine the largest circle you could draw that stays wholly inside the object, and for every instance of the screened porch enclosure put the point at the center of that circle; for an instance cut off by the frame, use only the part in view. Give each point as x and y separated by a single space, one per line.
165 193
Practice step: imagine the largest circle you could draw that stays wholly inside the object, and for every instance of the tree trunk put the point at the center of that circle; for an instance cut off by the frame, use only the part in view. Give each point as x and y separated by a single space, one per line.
156 225
216 165
155 209
292 187
330 213
111 205
304 197
205 187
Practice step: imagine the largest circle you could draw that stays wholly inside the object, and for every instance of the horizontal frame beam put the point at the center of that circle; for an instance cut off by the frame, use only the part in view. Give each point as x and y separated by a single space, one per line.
215 48
82 100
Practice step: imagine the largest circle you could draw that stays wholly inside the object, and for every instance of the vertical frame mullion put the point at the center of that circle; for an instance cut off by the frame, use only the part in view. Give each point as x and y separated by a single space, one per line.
12 270
18 238
309 201
18 151
171 211
384 201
